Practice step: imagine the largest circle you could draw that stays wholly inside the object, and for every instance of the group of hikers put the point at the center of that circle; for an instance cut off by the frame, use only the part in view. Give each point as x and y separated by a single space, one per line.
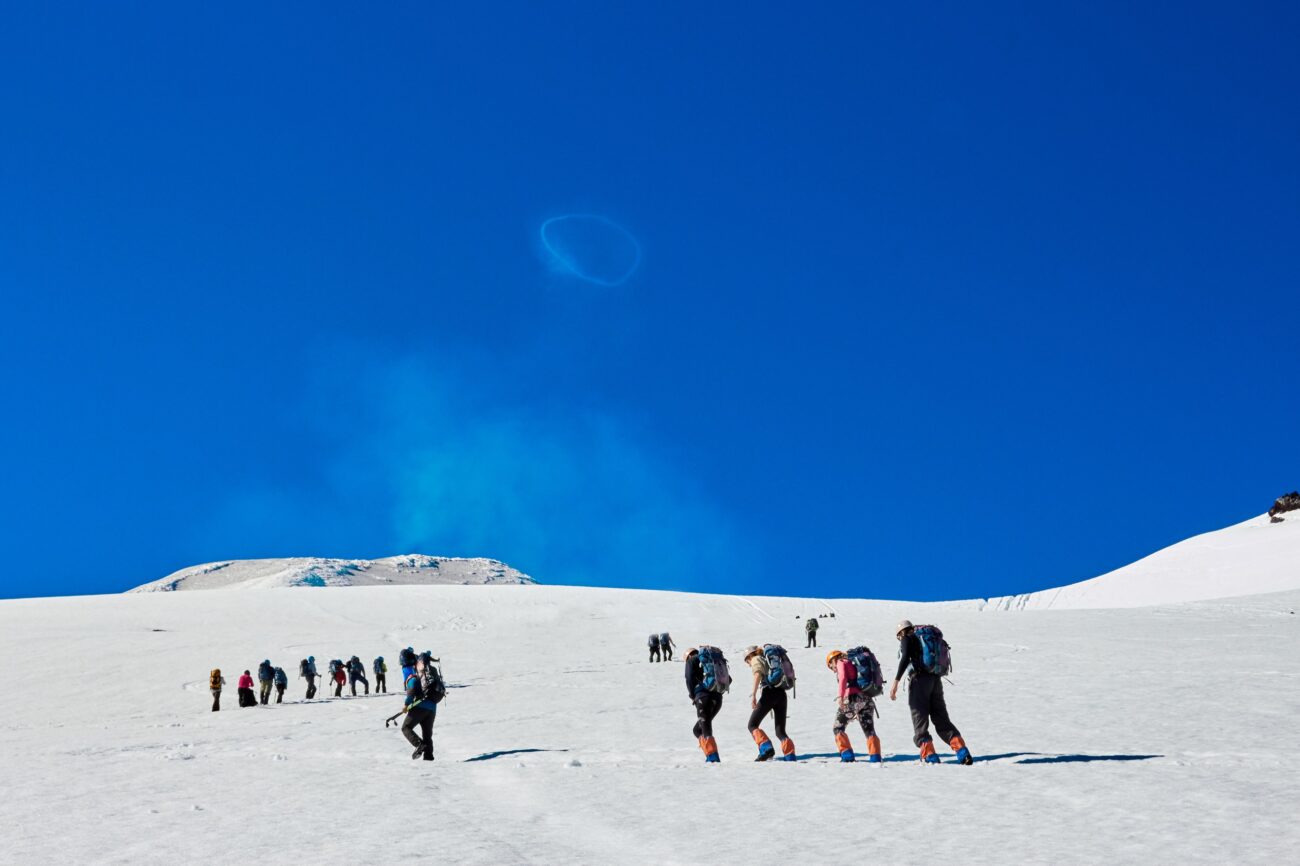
661 647
923 657
421 680
270 677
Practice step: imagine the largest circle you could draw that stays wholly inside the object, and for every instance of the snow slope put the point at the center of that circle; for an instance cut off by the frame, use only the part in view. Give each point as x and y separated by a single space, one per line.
413 568
1152 735
1252 557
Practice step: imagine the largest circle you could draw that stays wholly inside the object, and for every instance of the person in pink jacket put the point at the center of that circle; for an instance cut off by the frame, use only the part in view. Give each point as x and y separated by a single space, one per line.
246 696
852 704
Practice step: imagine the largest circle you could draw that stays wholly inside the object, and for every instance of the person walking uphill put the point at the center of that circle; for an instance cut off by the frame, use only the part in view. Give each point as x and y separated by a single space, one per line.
215 682
666 646
357 673
707 680
381 676
281 680
811 628
859 679
773 673
265 677
424 689
923 649
307 671
654 647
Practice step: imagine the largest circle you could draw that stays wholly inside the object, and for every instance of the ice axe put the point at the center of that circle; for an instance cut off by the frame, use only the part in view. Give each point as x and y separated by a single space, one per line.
388 721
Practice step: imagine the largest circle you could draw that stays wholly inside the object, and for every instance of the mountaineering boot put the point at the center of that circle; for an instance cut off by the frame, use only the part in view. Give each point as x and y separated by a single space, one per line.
709 747
845 749
873 749
765 750
963 753
787 749
927 753
418 753
428 754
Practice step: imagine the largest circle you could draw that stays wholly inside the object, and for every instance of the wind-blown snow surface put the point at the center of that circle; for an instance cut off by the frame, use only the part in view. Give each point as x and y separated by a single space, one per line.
1252 557
1155 735
411 569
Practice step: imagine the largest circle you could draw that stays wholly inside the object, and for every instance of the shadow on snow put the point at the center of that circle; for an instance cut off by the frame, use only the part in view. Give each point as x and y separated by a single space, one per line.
488 756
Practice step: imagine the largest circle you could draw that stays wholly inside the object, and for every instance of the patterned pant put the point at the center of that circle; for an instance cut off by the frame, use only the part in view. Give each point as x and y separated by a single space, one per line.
858 707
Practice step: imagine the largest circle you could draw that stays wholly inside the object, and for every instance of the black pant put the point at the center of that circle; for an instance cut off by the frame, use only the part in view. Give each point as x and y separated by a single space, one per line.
279 694
707 705
812 639
246 698
381 683
668 653
311 686
654 653
357 678
424 720
770 701
925 700
216 700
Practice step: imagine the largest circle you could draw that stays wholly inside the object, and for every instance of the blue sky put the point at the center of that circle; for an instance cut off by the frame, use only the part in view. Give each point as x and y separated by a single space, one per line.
889 300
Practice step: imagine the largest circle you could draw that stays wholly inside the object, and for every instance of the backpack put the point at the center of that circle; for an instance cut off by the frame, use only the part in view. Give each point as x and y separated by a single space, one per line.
264 671
281 679
665 640
870 679
780 670
407 657
336 665
935 658
214 679
302 668
654 640
432 685
380 667
714 665
811 625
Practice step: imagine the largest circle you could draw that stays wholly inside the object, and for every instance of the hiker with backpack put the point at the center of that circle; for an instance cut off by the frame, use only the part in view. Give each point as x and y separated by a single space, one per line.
774 674
860 681
215 682
406 658
923 650
307 671
666 646
424 689
245 690
654 647
381 676
357 673
337 676
265 678
707 680
281 680
810 627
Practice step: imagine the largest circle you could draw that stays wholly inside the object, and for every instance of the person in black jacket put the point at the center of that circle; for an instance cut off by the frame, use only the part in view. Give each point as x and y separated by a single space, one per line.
420 712
707 704
357 673
925 699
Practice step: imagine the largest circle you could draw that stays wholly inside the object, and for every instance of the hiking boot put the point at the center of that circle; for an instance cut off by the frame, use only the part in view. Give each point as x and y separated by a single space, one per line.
765 756
428 754
964 757
418 753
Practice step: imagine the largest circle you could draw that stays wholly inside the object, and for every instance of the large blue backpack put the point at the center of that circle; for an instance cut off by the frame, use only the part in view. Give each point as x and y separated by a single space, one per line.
717 678
265 672
870 679
281 679
935 658
780 670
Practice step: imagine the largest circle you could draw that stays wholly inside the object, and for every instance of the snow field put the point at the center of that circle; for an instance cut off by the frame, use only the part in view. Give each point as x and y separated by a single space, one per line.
1154 735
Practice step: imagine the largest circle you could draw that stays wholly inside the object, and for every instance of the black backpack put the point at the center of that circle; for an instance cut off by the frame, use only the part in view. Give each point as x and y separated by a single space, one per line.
302 668
432 684
407 658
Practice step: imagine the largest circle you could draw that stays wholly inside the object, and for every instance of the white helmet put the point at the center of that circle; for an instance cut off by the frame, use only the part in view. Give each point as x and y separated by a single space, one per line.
903 626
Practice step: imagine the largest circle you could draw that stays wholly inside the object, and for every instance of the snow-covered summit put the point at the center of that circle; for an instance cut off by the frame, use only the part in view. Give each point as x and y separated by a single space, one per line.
411 569
1253 557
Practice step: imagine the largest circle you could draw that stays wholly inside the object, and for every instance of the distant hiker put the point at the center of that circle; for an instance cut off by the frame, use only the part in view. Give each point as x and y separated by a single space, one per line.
1283 504
923 649
773 673
707 680
810 627
406 658
265 676
859 678
381 676
215 682
307 671
245 690
281 680
337 676
424 689
356 674
654 647
666 646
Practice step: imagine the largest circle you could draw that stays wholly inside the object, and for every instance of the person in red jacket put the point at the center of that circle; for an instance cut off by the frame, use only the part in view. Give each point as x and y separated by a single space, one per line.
246 696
